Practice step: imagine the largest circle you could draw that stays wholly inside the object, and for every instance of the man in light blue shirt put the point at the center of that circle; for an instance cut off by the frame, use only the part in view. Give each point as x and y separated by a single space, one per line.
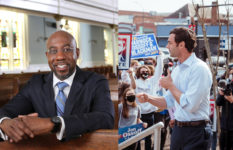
188 90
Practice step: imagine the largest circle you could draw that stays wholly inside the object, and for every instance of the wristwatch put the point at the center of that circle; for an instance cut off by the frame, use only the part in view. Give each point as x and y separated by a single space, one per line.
57 124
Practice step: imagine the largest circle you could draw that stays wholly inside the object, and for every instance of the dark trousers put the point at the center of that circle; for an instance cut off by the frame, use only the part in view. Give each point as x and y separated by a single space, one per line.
149 119
189 138
214 141
226 140
165 119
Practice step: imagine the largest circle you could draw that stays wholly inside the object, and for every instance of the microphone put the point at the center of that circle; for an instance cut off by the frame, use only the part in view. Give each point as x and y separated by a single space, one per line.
165 69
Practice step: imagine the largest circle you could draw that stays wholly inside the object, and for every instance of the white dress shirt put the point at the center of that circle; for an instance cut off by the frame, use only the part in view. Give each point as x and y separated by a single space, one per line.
194 79
66 91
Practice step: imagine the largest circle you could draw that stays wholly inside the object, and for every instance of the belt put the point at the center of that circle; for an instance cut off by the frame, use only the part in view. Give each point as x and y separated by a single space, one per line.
191 123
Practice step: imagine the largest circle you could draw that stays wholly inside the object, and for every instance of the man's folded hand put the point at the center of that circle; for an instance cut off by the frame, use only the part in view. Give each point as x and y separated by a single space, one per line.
16 129
38 125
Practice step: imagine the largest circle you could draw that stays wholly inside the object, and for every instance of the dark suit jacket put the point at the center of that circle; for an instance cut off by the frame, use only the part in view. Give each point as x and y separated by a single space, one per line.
88 107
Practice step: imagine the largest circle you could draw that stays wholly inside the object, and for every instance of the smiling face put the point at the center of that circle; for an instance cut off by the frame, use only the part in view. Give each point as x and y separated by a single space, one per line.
62 54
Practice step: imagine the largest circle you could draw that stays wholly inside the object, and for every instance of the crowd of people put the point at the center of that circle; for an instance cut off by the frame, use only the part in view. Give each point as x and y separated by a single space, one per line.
143 76
177 92
174 91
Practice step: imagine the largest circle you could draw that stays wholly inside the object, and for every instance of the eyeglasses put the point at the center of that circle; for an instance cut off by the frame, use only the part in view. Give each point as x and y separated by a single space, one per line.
64 50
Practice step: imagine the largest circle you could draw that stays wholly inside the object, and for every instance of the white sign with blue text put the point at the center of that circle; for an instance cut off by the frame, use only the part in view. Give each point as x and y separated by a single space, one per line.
144 46
129 131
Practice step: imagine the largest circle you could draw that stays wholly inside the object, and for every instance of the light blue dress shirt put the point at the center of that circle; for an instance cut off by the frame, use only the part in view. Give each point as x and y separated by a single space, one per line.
194 79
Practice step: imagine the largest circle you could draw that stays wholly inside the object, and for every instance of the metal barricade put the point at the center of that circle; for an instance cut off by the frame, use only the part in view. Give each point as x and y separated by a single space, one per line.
155 129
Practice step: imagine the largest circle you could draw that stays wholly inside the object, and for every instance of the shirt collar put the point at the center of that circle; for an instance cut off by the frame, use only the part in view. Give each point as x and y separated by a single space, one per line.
189 60
69 80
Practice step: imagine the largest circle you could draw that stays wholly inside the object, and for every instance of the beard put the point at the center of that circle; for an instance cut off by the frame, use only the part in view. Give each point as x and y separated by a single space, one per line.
62 75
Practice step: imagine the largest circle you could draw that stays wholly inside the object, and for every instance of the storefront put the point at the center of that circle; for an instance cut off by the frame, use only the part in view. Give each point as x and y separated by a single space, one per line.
24 31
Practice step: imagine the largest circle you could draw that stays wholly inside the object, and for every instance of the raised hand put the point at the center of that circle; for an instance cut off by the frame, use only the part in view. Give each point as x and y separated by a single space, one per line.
130 71
166 82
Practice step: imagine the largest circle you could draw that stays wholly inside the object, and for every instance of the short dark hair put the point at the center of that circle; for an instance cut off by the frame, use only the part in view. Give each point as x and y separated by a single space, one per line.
186 35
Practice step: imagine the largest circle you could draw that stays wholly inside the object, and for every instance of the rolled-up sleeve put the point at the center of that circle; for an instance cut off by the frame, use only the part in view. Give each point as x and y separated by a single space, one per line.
169 99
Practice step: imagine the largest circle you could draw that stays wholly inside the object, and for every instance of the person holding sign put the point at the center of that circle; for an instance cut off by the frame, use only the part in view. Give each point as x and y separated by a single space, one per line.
188 90
129 112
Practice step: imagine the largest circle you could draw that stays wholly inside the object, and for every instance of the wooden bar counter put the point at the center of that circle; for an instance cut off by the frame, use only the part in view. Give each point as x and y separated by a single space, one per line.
98 140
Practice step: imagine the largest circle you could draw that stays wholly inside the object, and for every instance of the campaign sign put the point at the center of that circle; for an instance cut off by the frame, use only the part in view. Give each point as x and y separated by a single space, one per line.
127 132
144 46
124 45
213 115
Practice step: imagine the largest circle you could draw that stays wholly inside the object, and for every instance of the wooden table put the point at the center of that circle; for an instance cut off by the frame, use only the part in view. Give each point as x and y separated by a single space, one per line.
98 140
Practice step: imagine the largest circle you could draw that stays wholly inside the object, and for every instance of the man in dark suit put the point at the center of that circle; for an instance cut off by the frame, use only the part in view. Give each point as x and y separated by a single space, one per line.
83 103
